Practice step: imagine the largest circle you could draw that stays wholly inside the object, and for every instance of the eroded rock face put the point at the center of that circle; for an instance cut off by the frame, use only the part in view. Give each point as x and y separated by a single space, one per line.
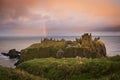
13 53
101 49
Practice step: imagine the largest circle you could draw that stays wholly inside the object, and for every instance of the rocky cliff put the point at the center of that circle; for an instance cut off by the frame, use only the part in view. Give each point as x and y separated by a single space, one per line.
84 46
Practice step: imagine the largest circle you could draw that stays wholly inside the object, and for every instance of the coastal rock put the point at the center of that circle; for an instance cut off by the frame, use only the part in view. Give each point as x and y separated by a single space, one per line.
5 54
12 54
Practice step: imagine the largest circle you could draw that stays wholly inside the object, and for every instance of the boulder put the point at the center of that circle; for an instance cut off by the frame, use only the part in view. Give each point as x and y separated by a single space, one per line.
12 54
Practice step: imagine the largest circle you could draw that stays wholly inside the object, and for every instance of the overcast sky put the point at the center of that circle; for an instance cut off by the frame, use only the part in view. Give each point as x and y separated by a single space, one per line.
49 17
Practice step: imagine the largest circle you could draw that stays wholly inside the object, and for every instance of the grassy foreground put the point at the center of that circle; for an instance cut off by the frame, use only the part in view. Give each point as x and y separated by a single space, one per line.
15 74
74 68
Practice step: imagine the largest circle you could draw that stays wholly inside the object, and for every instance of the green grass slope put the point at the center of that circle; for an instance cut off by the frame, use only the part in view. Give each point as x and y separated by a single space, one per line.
50 49
74 68
41 50
14 74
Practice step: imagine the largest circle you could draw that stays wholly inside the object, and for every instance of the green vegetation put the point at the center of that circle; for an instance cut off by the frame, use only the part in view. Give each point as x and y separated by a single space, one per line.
52 44
115 58
64 69
74 68
15 74
41 50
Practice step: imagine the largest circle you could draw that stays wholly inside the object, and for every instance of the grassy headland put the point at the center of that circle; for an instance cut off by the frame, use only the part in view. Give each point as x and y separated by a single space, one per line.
82 59
82 47
74 68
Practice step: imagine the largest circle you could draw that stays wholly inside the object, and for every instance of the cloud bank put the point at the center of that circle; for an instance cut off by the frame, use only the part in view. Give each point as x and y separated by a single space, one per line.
32 17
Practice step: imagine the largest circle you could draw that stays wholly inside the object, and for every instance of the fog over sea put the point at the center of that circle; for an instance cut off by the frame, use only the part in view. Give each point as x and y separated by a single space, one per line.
112 44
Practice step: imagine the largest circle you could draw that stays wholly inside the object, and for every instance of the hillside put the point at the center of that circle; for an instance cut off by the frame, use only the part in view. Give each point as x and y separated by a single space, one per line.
16 74
74 68
64 69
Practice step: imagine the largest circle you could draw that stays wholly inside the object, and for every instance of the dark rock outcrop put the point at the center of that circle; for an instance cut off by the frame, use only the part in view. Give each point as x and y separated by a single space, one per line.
12 54
5 54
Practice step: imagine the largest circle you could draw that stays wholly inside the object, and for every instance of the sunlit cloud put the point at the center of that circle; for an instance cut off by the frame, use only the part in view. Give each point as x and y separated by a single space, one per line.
60 16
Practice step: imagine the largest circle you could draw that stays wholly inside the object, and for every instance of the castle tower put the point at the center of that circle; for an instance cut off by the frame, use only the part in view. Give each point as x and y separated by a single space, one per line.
86 40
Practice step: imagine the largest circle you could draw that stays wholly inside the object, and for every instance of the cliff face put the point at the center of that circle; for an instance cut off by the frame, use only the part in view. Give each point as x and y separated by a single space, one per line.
100 48
95 46
83 47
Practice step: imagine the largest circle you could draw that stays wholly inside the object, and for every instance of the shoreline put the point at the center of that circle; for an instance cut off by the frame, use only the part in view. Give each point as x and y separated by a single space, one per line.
5 61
